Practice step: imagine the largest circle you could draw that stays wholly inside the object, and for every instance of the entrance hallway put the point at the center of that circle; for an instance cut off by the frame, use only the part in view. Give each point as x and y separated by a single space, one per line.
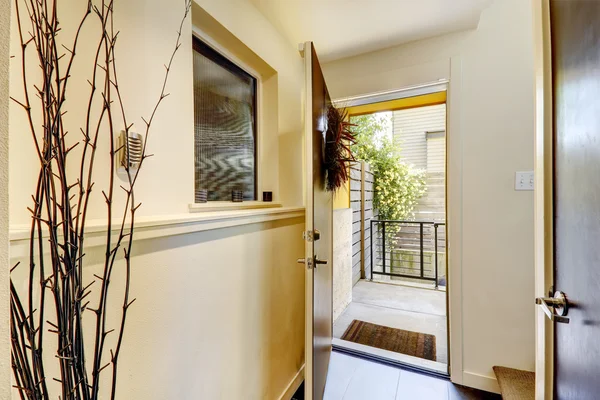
409 308
352 378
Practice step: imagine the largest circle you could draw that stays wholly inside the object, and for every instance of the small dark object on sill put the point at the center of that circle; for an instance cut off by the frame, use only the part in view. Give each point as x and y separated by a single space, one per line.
237 196
267 196
201 195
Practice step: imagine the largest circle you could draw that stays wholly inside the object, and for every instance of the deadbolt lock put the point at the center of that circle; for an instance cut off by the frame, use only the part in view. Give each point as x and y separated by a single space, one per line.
311 236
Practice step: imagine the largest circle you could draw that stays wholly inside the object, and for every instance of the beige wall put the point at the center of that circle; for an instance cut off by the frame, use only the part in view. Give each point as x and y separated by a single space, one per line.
247 24
490 136
146 40
219 313
4 268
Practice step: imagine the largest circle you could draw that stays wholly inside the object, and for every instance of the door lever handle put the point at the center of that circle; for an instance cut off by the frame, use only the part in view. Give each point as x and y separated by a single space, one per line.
555 308
320 262
308 263
311 262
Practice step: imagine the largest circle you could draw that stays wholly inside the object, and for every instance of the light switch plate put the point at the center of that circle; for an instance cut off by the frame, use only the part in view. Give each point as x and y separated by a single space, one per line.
524 180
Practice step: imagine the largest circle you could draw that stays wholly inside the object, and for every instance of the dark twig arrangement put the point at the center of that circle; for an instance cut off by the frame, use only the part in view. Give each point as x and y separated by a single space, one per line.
57 288
338 139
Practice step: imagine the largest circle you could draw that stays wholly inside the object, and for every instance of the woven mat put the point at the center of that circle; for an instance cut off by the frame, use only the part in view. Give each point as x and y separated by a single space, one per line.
515 384
415 344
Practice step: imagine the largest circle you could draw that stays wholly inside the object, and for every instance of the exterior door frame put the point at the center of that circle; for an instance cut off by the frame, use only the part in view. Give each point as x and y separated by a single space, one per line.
543 195
386 101
451 78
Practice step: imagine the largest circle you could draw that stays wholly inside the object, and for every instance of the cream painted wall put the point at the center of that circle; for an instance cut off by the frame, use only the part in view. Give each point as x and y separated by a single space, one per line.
209 322
250 26
142 50
148 34
5 369
219 314
491 112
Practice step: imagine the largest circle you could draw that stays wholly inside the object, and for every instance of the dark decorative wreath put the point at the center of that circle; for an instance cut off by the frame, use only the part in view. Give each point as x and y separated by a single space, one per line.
338 156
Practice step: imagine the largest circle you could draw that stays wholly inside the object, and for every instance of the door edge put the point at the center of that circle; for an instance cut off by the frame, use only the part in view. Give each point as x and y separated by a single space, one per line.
543 198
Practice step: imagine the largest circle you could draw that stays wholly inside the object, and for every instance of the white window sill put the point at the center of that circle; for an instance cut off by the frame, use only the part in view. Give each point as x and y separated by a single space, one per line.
230 205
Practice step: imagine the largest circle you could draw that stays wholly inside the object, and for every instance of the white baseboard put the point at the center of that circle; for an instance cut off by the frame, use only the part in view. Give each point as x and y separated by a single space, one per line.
481 382
293 385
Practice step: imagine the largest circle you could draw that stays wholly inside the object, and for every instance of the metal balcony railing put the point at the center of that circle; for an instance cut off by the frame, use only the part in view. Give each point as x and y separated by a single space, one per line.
408 249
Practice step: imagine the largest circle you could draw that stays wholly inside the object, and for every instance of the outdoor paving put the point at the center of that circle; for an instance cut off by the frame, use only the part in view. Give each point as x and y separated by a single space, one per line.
403 307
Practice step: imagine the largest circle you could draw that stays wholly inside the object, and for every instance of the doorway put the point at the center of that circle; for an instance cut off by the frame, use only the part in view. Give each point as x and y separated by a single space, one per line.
389 268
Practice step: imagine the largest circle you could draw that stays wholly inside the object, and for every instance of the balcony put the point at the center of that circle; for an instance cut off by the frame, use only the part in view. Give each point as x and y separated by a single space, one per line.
408 251
405 289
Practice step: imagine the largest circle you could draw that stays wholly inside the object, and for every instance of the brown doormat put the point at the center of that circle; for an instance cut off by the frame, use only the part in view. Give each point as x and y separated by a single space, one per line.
515 384
414 344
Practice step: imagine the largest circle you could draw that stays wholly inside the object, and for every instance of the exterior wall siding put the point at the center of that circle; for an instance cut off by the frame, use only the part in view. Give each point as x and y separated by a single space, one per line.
420 133
410 131
436 154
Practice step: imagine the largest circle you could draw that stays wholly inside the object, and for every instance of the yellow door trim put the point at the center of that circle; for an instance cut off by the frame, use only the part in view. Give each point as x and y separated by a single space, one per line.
400 104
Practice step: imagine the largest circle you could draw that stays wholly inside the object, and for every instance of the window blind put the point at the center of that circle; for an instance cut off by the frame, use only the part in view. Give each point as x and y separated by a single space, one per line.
224 126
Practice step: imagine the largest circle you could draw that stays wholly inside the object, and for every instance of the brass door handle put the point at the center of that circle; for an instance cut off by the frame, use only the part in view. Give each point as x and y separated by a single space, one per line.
556 308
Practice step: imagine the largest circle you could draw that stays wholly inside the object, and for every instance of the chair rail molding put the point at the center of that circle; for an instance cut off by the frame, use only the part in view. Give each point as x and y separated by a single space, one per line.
169 225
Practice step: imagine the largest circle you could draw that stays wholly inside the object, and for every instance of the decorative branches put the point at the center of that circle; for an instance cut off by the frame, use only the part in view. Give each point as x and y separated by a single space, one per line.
338 156
60 206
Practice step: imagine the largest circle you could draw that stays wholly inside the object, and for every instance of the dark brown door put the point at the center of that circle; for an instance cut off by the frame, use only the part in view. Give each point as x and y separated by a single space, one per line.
575 27
319 243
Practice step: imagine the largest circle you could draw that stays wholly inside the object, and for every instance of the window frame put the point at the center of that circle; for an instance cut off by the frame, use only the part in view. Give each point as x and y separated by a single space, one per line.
224 57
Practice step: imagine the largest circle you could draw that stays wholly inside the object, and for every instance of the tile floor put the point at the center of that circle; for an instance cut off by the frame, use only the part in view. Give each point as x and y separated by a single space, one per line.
352 378
409 308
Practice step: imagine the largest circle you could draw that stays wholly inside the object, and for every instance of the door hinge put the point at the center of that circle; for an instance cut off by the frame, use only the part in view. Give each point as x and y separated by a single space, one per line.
311 236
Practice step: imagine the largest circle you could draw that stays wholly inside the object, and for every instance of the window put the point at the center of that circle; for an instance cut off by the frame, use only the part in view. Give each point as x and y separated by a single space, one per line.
224 126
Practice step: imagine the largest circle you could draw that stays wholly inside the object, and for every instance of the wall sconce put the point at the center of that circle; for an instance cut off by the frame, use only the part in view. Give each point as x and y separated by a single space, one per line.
130 151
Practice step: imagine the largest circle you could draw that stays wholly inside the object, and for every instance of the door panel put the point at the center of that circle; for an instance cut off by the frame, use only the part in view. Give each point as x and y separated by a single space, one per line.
575 30
319 216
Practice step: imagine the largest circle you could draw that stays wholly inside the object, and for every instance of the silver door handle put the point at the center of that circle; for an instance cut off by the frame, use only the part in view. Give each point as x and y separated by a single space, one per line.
320 262
311 263
556 308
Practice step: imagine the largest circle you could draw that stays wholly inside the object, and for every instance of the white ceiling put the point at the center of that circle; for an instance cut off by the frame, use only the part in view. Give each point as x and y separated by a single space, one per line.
343 28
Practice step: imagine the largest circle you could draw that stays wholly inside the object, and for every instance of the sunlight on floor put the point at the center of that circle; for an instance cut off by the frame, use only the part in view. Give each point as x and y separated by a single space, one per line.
351 378
401 307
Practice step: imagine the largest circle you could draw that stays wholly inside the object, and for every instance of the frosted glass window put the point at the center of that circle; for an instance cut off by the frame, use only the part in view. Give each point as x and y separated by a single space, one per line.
224 126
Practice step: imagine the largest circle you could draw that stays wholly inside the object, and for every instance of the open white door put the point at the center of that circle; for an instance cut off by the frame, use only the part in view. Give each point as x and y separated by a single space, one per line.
318 234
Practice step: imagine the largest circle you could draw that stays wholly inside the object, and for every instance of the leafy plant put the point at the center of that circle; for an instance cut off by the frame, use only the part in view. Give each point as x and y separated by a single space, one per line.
398 185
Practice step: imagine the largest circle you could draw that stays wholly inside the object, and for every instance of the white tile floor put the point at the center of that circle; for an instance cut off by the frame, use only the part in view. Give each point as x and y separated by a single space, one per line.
352 378
402 307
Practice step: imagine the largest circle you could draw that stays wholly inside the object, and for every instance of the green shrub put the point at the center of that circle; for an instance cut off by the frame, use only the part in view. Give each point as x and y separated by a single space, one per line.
398 185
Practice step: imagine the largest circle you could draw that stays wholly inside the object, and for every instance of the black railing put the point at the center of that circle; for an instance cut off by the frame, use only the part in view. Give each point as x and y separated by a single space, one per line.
407 249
